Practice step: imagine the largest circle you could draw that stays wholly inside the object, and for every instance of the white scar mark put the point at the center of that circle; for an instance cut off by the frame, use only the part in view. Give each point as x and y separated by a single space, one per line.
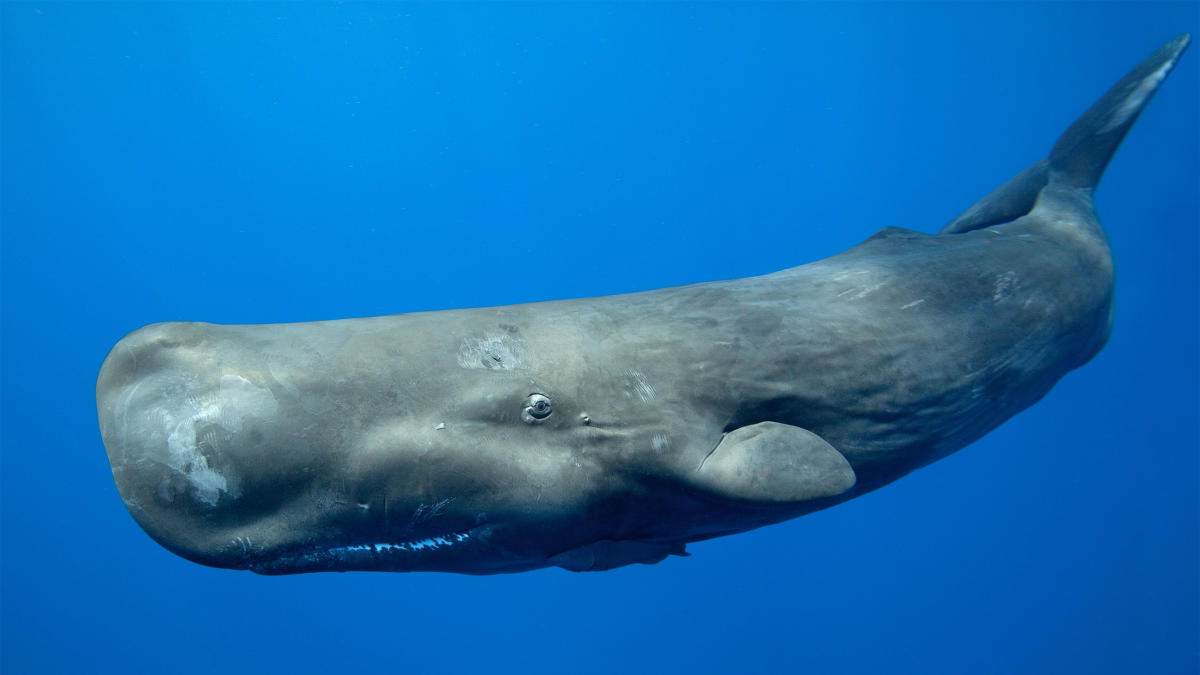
426 512
236 399
1003 286
860 293
912 304
492 352
660 442
638 385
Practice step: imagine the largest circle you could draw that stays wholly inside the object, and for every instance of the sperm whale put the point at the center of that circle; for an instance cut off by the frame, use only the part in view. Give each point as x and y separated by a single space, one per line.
594 433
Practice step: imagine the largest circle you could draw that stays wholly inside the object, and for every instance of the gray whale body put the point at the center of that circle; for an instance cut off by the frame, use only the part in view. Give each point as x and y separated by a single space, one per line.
594 433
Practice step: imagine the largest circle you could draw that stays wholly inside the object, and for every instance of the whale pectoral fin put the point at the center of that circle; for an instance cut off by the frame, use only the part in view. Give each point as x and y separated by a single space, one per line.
773 462
605 555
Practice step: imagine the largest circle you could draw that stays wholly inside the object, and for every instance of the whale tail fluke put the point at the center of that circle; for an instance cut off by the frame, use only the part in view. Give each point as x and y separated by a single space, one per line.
1084 150
1082 153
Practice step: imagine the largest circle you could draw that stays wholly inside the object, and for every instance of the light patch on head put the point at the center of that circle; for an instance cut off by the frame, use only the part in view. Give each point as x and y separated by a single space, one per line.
492 352
188 455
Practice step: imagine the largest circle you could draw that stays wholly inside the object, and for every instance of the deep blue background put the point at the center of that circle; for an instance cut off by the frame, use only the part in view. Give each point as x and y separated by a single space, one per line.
270 163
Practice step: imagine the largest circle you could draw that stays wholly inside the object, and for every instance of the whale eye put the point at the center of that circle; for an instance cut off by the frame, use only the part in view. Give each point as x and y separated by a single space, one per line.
537 408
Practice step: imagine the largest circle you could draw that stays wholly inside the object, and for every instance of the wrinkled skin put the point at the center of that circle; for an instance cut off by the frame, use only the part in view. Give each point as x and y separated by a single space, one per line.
599 432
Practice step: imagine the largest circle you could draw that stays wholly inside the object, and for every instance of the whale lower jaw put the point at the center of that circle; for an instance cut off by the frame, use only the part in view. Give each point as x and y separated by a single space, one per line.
368 556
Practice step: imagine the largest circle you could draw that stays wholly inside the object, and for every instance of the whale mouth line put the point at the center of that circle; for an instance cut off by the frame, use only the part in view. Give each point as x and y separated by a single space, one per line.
366 556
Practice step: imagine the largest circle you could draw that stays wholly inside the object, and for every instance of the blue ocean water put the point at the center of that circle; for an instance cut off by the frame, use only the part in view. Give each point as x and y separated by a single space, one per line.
293 162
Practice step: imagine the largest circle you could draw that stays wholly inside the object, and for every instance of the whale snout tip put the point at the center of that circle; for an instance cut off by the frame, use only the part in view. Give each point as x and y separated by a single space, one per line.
175 463
143 351
181 435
